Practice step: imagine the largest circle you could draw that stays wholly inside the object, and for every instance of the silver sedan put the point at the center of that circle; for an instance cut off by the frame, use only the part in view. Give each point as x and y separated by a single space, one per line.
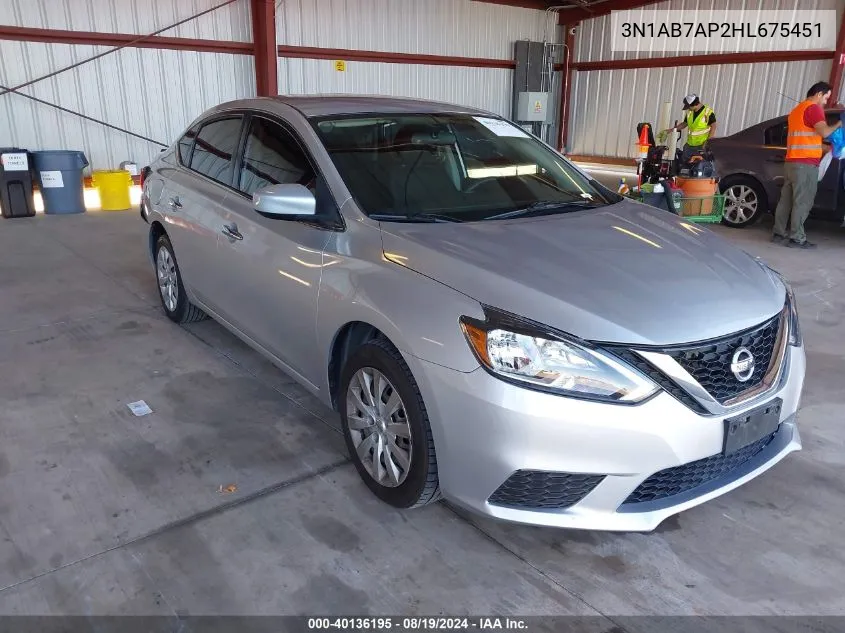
491 324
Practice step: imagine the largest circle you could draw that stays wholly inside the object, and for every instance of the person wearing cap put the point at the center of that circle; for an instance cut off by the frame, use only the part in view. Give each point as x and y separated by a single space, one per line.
700 123
806 130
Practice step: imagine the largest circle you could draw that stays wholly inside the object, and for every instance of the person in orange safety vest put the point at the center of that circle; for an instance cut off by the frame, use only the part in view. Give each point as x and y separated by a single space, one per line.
807 128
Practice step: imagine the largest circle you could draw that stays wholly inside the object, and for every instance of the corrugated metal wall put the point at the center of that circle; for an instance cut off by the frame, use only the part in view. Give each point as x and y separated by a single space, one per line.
458 28
178 87
607 105
486 88
130 16
155 93
436 27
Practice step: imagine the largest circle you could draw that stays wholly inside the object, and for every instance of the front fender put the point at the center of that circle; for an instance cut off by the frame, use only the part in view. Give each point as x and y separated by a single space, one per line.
419 315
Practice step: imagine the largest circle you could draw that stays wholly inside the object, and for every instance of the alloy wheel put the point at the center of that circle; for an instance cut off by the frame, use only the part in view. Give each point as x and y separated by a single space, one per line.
168 283
379 428
740 204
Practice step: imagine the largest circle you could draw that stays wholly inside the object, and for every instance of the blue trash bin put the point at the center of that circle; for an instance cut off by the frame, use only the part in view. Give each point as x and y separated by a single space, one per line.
59 174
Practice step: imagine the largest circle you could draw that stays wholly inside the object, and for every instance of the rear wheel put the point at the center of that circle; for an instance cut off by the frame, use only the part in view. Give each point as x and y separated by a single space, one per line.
745 201
171 290
386 427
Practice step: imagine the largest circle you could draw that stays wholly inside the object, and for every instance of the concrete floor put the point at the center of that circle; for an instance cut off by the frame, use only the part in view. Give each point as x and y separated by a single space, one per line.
105 513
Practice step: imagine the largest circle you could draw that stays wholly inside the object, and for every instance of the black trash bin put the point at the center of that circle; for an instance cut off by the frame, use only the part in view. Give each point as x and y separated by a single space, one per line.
60 179
16 183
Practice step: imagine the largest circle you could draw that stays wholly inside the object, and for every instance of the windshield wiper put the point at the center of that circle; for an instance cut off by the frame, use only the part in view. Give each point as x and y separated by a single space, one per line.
544 206
415 217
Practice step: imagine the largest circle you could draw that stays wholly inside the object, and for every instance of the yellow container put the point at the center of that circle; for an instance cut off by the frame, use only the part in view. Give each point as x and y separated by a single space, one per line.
113 187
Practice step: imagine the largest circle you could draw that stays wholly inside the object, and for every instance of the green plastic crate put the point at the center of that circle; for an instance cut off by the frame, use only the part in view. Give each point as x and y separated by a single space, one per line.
691 207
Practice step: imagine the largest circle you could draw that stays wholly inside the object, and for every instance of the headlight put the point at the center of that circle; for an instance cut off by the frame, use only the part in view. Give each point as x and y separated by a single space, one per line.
531 356
794 327
795 338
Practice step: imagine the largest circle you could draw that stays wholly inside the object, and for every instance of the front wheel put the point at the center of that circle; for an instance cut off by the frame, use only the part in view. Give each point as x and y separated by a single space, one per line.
386 428
171 290
745 201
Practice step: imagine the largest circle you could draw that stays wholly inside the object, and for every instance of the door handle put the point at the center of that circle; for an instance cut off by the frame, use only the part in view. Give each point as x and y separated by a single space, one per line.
174 203
231 232
779 159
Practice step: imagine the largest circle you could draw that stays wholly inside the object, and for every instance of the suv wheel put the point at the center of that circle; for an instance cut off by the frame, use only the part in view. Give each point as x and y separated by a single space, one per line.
386 427
171 291
745 201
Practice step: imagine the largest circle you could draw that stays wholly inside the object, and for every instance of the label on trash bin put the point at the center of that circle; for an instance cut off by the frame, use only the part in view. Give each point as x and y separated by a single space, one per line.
15 162
52 180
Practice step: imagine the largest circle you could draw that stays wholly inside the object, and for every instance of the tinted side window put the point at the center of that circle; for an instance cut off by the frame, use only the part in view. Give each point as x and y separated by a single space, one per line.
776 135
186 144
215 147
271 157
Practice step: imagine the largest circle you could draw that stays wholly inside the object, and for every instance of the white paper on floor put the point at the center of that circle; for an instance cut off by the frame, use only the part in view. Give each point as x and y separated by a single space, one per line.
139 408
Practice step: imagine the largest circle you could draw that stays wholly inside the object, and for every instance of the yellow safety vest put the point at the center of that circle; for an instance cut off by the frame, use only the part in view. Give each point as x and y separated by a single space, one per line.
698 126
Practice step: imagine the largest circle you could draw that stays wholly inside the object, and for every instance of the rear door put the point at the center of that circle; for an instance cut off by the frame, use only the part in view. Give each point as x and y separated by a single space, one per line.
271 267
194 201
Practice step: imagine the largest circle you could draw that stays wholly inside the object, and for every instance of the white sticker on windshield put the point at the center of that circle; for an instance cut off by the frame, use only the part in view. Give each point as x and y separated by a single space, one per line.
500 127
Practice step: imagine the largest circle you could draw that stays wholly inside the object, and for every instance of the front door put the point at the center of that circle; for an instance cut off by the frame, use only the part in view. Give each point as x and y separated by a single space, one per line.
272 267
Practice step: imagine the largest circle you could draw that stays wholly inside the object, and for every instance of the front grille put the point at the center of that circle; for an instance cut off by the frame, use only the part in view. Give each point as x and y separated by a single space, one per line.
679 479
544 490
710 363
637 361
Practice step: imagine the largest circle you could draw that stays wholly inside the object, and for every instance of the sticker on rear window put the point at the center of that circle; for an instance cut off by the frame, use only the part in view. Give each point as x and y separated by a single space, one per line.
500 127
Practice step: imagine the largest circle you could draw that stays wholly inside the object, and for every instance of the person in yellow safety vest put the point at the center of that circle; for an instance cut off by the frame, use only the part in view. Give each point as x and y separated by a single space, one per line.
806 129
700 123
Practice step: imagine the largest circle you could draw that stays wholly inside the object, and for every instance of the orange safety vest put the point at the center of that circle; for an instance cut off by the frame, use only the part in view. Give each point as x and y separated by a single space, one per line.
802 141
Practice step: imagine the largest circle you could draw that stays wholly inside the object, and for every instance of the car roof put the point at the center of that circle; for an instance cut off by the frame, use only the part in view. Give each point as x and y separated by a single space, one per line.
329 105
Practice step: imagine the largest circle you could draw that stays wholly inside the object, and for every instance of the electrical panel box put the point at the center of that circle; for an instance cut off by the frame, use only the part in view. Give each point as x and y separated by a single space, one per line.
532 106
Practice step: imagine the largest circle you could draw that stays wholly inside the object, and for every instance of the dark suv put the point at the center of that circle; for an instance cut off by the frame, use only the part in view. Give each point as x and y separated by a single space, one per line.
750 164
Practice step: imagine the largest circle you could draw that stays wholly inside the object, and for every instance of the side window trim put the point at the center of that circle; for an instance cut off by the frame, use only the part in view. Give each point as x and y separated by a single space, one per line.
268 117
781 133
213 119
248 118
195 129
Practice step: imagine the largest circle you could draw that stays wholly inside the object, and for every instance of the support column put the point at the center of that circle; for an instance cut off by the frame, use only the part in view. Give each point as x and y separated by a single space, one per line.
838 64
566 84
265 50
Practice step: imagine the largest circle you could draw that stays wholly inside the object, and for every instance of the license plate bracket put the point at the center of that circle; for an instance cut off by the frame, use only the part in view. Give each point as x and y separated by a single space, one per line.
751 426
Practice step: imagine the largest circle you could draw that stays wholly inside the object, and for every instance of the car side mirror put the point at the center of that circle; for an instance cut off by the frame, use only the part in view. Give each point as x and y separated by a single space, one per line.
285 200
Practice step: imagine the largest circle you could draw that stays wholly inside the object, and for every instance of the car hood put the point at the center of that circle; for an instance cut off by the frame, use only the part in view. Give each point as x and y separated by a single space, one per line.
627 273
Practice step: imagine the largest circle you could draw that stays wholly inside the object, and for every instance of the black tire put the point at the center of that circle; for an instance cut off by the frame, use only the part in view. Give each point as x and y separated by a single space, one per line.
184 311
421 485
738 217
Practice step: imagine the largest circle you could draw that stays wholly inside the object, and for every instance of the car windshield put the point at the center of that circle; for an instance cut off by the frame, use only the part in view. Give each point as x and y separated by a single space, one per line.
453 167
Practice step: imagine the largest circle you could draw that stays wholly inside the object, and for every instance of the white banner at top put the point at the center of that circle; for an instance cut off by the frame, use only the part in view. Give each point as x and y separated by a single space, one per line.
747 31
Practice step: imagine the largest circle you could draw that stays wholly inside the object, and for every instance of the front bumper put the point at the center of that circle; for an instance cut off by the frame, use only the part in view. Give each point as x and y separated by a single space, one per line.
485 430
